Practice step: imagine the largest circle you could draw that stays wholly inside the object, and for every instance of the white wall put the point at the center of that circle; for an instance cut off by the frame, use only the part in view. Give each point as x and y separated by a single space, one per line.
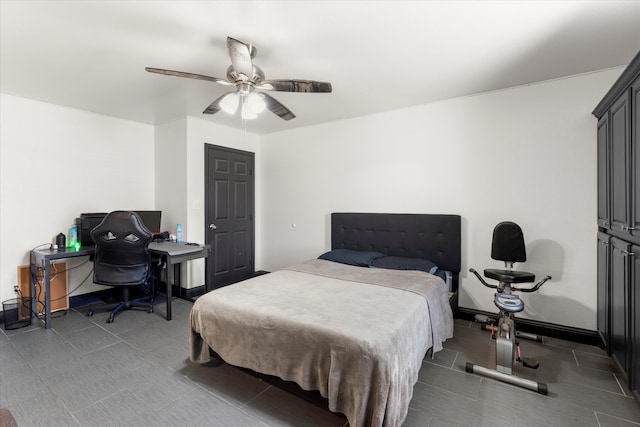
57 162
180 174
171 174
179 168
199 133
526 154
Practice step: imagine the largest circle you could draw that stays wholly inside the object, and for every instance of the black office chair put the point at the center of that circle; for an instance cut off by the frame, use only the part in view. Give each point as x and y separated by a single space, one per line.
508 246
122 260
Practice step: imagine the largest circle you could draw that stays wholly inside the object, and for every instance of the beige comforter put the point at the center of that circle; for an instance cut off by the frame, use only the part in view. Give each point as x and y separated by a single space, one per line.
358 335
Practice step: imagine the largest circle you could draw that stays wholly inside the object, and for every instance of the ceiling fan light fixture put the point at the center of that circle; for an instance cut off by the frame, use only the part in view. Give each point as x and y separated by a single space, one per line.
255 103
229 104
245 109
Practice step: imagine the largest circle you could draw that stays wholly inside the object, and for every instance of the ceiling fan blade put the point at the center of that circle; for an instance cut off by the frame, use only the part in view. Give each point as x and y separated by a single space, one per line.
295 86
188 75
214 107
241 54
277 108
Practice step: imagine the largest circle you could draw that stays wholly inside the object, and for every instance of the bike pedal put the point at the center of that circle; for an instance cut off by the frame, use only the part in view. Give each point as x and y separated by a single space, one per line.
527 362
481 318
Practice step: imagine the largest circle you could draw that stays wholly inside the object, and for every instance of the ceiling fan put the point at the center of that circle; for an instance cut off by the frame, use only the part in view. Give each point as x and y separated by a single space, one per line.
247 78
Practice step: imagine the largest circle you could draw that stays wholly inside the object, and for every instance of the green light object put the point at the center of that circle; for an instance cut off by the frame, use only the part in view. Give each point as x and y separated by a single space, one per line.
73 238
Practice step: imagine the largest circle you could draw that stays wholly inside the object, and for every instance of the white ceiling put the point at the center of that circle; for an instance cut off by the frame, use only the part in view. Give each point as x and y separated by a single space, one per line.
378 55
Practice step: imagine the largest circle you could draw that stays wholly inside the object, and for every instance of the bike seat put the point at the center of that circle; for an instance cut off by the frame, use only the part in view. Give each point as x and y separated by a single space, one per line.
511 303
510 276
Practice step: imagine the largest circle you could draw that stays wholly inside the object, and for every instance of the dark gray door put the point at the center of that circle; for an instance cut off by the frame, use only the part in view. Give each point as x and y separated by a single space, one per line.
620 164
634 383
619 303
604 289
635 157
604 202
635 283
229 223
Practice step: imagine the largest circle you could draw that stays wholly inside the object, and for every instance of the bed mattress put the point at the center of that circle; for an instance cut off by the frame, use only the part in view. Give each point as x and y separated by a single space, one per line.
357 335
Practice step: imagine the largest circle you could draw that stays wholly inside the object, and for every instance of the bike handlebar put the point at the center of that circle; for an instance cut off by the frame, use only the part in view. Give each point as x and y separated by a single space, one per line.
482 280
533 289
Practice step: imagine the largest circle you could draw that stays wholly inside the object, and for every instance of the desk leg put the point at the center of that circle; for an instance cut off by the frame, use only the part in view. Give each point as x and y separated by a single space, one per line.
34 303
47 293
207 282
169 286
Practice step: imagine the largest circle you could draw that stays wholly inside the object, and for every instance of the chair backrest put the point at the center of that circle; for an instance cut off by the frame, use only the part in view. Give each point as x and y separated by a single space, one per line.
508 243
122 254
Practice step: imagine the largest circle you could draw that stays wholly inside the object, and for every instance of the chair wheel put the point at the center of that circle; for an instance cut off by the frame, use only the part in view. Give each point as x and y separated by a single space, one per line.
150 310
90 314
110 320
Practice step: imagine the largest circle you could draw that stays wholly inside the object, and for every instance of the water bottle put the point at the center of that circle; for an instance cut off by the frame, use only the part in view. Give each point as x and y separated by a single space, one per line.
73 237
179 233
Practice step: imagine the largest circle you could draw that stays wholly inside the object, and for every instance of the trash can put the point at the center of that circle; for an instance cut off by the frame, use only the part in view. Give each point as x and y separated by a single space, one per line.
16 313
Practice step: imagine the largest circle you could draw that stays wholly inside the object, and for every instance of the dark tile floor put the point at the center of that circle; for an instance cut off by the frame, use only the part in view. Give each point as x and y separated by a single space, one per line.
135 372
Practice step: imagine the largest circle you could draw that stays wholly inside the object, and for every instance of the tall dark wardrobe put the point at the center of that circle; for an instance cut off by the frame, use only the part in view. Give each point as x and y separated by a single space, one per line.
618 233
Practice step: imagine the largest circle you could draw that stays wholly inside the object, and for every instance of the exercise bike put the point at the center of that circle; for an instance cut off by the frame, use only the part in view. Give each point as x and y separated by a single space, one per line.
508 246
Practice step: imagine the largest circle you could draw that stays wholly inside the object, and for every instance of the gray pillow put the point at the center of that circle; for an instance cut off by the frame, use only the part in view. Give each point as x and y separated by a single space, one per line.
351 257
401 263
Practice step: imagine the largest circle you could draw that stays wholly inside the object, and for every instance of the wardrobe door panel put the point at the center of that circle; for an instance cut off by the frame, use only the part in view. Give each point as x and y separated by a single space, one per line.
620 163
604 290
604 168
634 333
634 309
635 156
619 306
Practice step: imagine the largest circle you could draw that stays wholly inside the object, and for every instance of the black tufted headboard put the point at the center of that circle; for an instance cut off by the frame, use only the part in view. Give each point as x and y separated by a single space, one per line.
429 236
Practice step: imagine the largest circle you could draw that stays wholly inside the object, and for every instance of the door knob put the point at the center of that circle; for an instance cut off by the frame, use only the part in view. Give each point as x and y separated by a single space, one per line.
212 227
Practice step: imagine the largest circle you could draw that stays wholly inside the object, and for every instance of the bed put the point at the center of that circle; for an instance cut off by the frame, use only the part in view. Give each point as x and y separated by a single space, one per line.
356 334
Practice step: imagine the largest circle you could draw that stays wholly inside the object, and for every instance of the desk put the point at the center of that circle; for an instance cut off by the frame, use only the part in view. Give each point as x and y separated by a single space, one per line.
174 254
172 258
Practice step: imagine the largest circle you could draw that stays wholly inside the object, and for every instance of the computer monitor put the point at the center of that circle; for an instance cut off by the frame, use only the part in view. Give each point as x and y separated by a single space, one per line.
85 224
151 220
